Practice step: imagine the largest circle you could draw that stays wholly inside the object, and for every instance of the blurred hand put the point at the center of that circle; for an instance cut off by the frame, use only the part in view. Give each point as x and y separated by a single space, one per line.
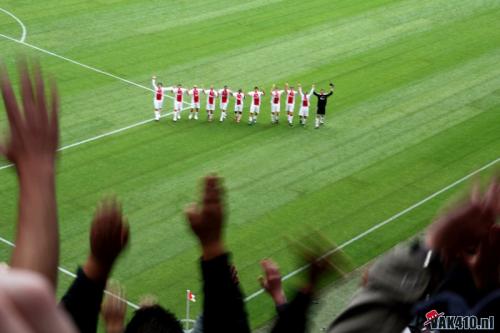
207 221
27 304
468 234
154 77
271 282
322 259
34 131
114 309
108 238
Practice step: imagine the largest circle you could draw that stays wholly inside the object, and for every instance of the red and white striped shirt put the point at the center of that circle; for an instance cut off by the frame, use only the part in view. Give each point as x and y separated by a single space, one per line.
256 97
195 95
276 96
211 95
290 96
159 94
159 91
179 94
239 98
224 95
306 98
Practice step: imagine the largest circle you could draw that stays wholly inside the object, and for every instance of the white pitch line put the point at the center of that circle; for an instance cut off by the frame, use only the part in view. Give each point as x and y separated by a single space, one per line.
97 70
383 223
100 136
22 42
76 62
23 27
73 275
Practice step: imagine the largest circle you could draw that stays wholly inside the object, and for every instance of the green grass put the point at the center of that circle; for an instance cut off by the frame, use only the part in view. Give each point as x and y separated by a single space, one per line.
417 107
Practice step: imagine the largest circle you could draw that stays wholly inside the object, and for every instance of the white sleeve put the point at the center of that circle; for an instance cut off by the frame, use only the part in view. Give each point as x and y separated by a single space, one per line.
310 93
153 82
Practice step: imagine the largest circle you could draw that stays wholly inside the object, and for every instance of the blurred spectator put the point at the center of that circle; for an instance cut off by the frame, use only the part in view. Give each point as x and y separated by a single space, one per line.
114 309
108 238
153 319
223 305
457 267
27 304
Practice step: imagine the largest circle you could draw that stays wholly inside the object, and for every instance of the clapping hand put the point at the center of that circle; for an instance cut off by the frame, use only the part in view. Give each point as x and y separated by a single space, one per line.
109 236
207 220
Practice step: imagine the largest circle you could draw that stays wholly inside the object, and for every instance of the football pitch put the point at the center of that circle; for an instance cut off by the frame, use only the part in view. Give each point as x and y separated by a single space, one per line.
414 119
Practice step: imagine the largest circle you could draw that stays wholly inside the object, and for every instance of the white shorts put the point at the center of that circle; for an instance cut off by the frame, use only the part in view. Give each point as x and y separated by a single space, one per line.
255 109
275 107
210 107
158 104
304 111
238 108
177 106
195 105
223 106
289 107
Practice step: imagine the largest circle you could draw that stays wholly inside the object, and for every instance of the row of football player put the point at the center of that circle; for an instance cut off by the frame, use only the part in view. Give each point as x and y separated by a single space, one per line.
256 101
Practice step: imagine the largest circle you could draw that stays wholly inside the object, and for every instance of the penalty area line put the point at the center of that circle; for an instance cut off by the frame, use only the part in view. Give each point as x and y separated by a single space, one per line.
97 70
100 136
383 223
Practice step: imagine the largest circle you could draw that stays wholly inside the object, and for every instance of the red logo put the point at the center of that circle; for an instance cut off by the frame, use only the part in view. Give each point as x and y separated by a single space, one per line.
432 315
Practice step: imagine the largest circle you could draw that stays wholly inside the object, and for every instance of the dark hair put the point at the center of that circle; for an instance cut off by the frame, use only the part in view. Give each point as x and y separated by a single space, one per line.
153 319
256 88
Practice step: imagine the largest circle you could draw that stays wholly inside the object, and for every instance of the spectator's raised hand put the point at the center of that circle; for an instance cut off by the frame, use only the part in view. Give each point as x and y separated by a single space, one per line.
469 234
31 146
108 238
207 220
34 131
27 305
271 281
114 309
322 259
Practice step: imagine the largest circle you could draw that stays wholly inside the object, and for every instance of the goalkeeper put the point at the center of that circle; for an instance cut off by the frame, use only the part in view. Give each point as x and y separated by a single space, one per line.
322 100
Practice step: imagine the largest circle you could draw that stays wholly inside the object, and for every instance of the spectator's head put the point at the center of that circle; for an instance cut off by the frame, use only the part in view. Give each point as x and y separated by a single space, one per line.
153 319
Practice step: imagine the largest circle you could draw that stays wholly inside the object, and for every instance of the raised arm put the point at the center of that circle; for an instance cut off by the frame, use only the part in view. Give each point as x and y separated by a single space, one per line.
153 82
312 91
108 238
31 147
332 88
223 305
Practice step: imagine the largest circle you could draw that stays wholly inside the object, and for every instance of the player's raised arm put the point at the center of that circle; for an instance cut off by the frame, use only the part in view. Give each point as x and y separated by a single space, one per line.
153 83
312 90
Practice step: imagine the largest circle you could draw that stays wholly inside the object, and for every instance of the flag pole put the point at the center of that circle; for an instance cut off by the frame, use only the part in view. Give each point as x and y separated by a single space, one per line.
187 310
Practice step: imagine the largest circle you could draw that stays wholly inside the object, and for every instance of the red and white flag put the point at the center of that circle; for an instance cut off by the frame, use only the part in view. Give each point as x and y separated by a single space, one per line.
190 296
